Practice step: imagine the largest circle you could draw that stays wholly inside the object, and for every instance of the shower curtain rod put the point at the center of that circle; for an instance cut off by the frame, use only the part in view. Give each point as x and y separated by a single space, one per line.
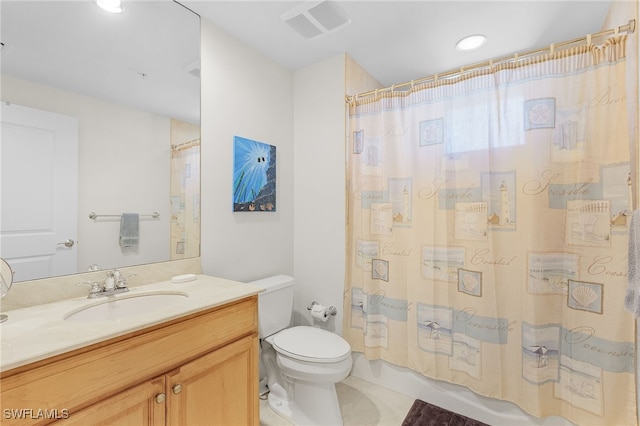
186 145
629 28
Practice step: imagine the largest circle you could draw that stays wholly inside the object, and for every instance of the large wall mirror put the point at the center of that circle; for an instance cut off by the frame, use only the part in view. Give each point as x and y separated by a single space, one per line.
100 143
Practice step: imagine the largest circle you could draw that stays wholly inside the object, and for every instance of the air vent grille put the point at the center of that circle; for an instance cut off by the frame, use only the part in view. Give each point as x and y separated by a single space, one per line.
303 26
315 18
328 15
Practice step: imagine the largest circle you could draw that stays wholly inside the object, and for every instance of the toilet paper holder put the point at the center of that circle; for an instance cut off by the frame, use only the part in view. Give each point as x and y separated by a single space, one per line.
331 310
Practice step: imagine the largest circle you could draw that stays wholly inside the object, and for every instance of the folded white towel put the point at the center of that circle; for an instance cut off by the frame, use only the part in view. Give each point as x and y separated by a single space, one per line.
129 229
632 298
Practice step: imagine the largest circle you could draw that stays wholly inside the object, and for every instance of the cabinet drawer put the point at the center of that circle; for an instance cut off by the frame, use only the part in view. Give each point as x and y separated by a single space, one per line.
80 378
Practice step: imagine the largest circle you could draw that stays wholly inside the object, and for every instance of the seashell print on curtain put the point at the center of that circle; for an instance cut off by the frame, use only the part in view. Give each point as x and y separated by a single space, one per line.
487 237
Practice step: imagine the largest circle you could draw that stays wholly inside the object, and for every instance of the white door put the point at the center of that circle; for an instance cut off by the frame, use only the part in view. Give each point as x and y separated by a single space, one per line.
39 192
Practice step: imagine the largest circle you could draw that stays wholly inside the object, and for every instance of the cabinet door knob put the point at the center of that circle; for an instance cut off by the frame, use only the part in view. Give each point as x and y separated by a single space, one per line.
160 398
177 388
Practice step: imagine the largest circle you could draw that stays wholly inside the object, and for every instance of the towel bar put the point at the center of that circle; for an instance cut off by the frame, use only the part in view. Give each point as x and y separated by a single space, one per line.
93 215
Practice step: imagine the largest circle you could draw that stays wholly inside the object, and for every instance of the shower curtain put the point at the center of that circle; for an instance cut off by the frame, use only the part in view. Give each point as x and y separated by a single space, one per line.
185 200
487 232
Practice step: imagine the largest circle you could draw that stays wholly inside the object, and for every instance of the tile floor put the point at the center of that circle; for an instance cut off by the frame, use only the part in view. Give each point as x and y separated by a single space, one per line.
362 403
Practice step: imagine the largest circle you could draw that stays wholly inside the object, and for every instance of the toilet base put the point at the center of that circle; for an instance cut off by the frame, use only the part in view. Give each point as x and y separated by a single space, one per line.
304 391
313 405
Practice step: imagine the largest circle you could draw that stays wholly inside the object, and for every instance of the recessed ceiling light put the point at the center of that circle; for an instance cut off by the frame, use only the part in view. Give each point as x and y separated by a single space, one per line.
471 42
113 6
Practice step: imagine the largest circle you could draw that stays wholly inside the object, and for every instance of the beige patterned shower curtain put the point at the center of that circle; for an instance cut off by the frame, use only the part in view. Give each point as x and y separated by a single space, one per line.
487 233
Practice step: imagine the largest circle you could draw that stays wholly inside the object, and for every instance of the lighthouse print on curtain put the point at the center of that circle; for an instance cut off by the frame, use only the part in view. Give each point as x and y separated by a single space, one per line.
254 176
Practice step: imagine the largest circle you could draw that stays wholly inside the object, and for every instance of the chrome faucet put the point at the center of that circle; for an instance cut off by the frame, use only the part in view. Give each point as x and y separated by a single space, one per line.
114 283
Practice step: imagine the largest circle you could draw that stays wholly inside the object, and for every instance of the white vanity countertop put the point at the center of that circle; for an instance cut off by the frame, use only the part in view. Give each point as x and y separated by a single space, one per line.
38 332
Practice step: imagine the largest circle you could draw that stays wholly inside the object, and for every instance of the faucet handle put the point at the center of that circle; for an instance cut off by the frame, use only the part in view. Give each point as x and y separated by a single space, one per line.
121 281
96 287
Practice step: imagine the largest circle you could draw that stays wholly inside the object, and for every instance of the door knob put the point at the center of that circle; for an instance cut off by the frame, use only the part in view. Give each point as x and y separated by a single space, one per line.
68 243
177 388
160 398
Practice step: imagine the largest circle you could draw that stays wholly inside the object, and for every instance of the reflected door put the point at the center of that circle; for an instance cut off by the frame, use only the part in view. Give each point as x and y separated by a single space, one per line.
38 218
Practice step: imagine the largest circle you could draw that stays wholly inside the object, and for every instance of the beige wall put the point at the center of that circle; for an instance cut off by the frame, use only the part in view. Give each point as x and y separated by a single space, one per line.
358 79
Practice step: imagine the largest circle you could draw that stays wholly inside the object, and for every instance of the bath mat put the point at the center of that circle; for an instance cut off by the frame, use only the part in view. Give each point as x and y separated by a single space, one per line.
424 414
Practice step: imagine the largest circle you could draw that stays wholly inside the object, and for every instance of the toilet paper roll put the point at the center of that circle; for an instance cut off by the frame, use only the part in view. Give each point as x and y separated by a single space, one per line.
319 312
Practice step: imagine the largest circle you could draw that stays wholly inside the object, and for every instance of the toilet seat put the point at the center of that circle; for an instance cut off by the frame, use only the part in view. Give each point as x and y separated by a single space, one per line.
310 344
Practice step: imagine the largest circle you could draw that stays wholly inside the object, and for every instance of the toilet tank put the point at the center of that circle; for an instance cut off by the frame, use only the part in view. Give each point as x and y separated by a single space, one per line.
275 304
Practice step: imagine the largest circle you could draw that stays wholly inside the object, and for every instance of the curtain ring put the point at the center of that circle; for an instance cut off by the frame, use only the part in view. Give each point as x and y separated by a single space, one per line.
435 78
412 83
552 49
588 40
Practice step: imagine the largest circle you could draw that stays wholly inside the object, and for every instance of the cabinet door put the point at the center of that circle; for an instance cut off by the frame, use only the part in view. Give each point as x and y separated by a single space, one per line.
140 405
219 388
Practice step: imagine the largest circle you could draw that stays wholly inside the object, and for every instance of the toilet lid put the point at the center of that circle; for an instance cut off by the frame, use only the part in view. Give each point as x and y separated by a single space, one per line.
311 344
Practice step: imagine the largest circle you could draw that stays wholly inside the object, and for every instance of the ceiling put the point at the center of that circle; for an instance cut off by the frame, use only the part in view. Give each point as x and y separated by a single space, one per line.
143 57
399 41
76 46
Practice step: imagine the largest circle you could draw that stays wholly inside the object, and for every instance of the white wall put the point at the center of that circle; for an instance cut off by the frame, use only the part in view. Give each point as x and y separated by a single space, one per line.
123 166
319 189
243 94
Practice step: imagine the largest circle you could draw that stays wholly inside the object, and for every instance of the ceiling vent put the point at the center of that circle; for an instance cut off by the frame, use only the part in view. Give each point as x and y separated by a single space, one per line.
315 18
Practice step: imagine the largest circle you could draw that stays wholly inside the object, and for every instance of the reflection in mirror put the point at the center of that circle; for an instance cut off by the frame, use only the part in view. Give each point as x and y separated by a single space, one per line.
100 114
6 280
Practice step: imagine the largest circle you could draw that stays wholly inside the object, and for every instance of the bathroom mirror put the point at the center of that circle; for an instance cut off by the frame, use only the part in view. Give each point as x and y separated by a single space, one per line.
126 88
6 280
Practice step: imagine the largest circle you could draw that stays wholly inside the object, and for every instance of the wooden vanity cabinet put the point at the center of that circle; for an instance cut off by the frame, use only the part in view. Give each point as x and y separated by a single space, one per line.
197 370
212 390
135 406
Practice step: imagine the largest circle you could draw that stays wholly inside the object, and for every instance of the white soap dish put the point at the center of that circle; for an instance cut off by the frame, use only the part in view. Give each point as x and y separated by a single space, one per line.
179 279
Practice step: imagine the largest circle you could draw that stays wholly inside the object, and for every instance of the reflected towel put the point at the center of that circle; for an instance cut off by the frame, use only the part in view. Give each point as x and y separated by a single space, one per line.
632 298
129 229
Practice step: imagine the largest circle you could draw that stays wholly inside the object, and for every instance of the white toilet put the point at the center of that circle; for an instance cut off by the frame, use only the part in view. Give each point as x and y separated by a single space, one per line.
303 363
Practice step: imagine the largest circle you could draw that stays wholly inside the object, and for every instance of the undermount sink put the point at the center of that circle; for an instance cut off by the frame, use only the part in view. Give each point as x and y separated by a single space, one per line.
126 306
